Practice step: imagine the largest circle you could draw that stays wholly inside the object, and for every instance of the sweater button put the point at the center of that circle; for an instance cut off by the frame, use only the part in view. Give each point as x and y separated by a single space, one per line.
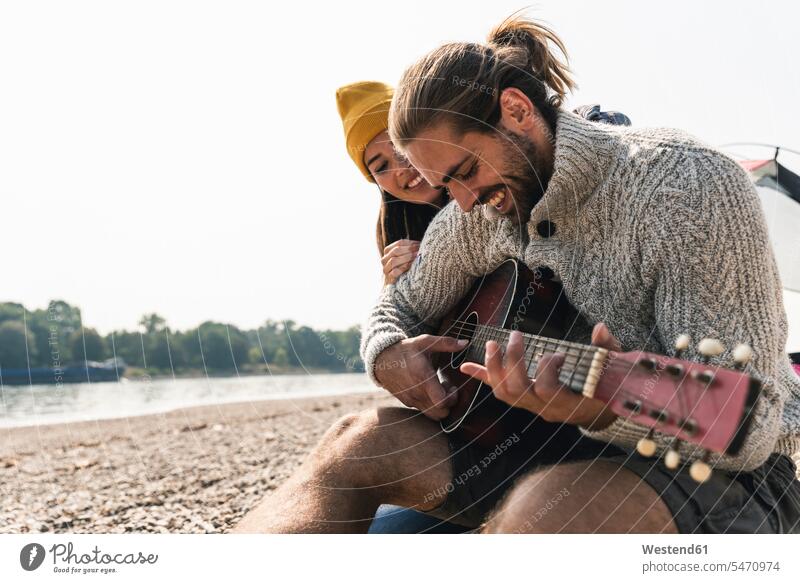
546 229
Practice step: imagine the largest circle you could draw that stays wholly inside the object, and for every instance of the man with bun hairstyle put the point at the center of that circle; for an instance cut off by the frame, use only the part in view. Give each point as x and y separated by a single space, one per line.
652 234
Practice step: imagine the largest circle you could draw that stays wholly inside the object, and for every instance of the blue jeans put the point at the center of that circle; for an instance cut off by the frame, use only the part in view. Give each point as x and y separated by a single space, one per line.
398 520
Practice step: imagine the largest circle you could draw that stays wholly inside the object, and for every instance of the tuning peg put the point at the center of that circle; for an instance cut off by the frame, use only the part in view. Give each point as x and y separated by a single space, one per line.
742 354
646 446
709 347
672 459
682 343
700 471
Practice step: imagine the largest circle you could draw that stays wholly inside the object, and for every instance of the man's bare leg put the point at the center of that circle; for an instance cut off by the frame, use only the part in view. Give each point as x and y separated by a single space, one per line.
582 497
384 456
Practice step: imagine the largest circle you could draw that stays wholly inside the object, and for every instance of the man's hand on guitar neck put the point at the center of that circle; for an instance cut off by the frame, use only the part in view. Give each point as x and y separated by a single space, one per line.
405 370
546 397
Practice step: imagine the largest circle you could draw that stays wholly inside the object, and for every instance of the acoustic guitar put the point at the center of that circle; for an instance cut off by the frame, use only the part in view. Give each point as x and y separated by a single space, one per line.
693 401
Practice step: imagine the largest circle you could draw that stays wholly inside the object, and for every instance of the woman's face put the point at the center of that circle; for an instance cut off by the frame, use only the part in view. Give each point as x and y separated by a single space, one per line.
395 175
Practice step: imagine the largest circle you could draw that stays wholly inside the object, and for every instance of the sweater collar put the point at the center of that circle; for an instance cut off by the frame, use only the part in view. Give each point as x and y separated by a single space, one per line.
583 155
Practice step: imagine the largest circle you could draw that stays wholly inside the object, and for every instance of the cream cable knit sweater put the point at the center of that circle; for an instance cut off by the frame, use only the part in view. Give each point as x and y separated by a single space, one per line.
656 234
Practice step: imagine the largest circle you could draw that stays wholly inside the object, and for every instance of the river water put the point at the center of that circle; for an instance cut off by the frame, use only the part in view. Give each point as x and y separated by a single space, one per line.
43 404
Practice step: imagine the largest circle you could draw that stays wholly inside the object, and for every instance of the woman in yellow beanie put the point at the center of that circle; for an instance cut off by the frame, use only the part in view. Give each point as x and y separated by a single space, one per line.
408 203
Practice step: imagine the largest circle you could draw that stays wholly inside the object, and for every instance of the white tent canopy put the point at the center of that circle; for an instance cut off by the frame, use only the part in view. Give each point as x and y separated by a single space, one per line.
779 189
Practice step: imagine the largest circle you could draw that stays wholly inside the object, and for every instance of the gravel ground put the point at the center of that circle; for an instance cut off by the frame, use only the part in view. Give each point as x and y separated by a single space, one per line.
191 470
187 471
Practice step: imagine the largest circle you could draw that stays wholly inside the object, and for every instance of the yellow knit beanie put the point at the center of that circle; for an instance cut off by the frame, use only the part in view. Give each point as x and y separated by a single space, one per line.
364 109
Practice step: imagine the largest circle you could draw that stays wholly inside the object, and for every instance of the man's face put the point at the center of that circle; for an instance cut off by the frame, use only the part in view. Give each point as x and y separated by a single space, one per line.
505 170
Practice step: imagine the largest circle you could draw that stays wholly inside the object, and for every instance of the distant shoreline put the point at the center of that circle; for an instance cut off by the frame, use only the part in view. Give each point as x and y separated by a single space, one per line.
45 406
136 374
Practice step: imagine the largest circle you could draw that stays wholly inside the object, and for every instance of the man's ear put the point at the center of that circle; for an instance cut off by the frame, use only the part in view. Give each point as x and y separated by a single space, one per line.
517 112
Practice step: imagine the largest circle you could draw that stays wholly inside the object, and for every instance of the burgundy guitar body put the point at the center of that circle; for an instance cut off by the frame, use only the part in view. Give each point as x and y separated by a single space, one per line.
511 297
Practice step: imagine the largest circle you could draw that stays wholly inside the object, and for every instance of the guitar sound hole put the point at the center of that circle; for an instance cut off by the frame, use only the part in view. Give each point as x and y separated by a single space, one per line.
464 329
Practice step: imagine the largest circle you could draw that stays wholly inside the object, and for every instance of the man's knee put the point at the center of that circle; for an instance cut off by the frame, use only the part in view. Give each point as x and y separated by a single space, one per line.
359 444
591 496
390 449
347 429
358 434
535 499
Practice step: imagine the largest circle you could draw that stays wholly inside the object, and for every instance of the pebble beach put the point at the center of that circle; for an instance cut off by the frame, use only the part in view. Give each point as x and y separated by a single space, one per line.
195 470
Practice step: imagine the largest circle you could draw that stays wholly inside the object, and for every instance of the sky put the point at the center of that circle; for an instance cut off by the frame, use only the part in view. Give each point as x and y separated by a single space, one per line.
187 158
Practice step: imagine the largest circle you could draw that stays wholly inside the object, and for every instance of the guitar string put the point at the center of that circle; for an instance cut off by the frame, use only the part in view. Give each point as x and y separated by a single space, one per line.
484 333
483 330
491 333
581 378
678 420
502 333
579 365
462 324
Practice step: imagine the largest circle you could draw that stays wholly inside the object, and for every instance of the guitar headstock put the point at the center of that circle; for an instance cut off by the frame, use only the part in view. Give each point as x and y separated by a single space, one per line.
697 402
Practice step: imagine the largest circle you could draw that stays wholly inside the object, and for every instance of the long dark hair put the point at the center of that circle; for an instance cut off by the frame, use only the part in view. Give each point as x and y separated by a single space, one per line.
402 220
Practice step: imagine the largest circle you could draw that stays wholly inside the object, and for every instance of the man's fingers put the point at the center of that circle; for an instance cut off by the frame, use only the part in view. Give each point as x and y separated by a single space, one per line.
438 400
602 336
434 391
546 384
494 362
558 403
515 360
441 343
476 371
494 369
418 398
451 390
435 413
409 401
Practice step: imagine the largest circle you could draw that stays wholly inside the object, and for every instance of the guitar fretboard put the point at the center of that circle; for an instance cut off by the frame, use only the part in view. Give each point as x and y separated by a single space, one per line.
576 365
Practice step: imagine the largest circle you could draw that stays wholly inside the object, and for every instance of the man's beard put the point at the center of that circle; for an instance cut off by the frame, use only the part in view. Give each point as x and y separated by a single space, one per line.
526 175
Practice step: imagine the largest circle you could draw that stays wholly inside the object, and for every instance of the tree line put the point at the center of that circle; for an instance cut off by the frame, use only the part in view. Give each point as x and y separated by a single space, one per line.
55 336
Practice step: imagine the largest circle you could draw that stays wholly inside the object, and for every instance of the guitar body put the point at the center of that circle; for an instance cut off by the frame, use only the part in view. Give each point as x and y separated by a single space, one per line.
514 298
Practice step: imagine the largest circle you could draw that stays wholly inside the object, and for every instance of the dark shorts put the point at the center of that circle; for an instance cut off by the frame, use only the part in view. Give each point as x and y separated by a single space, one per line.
766 500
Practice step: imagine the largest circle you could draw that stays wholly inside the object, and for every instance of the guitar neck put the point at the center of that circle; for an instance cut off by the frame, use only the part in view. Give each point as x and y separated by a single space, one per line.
581 368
